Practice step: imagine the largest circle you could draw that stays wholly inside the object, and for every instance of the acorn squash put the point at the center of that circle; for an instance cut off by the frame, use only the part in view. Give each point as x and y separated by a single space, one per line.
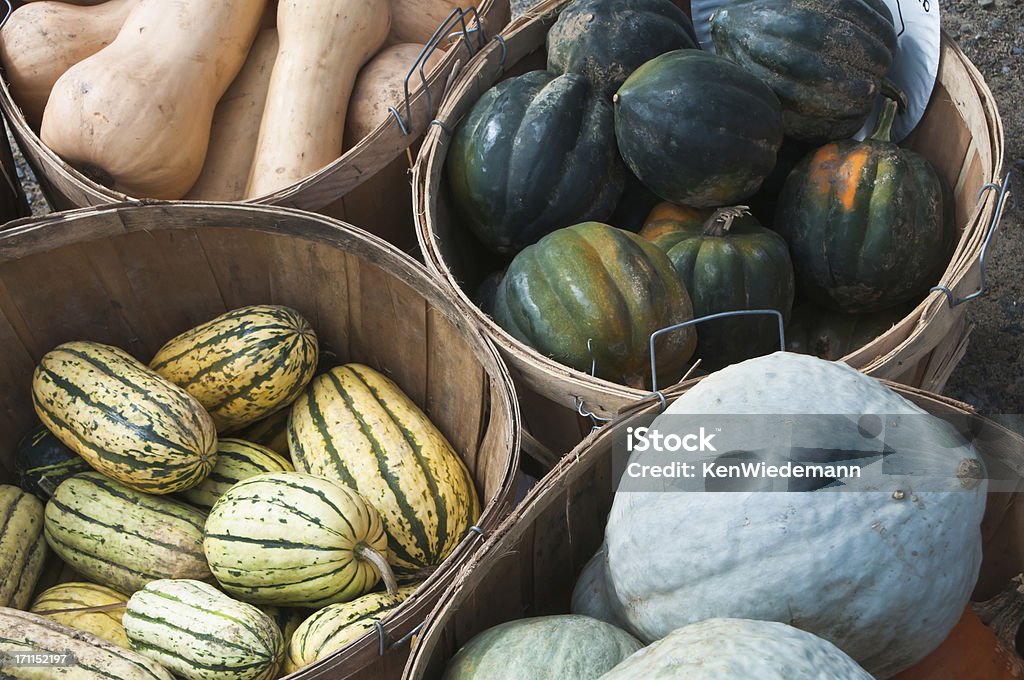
831 335
536 153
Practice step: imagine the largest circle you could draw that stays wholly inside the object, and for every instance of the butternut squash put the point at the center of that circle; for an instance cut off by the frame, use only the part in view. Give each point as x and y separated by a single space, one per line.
42 40
322 46
136 115
381 83
236 124
416 20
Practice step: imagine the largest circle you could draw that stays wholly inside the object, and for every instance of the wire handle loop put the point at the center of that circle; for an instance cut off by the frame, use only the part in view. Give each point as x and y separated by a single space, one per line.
1004 192
710 317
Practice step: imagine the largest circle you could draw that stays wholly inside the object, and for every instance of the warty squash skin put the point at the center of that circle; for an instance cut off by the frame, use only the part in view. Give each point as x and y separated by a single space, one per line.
236 125
42 40
739 649
321 47
561 647
881 565
136 116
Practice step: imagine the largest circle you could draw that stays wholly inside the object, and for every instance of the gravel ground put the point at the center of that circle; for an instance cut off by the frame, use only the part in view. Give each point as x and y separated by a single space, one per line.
990 376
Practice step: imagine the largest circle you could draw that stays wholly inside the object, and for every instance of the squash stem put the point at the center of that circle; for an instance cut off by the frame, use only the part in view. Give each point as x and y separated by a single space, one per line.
883 129
365 552
721 221
1004 613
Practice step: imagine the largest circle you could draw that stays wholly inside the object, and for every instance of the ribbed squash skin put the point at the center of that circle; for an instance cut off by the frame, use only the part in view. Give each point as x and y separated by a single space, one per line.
832 335
121 538
592 281
122 418
535 153
606 40
338 625
697 129
739 267
292 539
243 365
96 659
236 460
566 647
823 58
271 432
105 623
356 426
869 225
200 633
43 462
21 551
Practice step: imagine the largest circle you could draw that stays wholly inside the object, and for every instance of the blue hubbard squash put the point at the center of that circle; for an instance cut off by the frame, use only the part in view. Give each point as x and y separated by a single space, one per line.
594 282
869 225
728 262
697 129
825 59
535 153
606 40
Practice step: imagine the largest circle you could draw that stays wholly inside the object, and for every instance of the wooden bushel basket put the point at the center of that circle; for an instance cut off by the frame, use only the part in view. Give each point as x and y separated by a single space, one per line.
961 133
530 566
134 276
332 190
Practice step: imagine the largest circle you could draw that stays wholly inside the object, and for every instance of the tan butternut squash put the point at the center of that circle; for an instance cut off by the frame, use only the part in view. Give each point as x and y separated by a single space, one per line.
42 40
236 124
136 115
381 83
322 46
416 20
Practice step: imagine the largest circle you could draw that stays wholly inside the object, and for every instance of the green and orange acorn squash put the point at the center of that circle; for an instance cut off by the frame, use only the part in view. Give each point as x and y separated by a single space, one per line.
869 225
593 282
728 262
831 335
697 129
535 153
825 59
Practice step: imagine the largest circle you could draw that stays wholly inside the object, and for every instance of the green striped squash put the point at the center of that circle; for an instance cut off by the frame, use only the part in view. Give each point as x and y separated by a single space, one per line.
356 426
244 365
199 633
271 432
21 554
236 460
85 606
94 658
295 540
121 538
43 462
124 419
338 625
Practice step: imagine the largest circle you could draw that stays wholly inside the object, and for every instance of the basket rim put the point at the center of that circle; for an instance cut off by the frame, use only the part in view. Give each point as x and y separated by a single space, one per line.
603 397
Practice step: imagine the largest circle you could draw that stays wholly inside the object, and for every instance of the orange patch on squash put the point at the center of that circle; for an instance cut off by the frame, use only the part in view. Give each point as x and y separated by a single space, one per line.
821 172
848 177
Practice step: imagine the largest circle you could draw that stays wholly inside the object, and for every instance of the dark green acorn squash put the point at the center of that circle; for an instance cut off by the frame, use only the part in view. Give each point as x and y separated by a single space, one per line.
825 59
869 225
728 262
832 335
593 281
606 40
697 129
536 153
42 462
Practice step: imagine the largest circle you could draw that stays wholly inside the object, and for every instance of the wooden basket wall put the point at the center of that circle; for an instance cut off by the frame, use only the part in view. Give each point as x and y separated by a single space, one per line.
134 276
383 208
529 567
961 133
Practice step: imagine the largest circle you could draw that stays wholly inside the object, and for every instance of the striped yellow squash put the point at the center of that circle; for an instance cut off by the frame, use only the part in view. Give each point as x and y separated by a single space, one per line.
85 606
295 540
355 425
271 432
236 460
244 365
122 538
21 554
124 419
199 633
338 625
92 657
